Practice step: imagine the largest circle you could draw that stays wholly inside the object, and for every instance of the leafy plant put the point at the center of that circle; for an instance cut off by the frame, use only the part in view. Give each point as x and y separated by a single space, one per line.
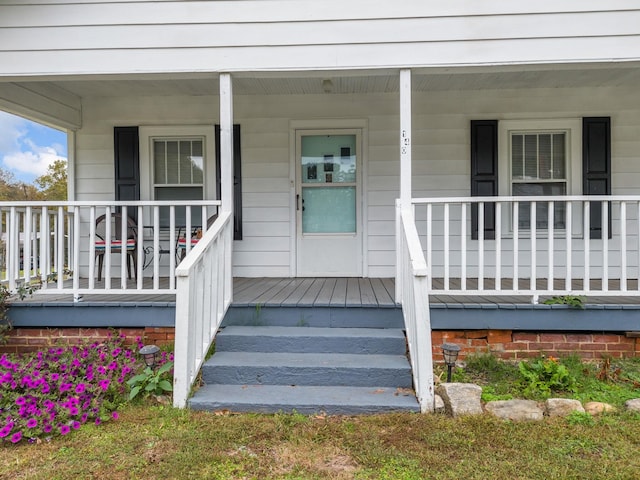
545 375
489 394
574 301
580 418
151 382
5 301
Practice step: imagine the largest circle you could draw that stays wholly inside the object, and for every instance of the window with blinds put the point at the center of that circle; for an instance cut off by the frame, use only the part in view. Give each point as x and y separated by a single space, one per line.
178 174
539 167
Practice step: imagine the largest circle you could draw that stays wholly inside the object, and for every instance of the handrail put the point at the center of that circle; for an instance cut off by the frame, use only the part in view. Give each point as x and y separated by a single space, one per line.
203 296
415 307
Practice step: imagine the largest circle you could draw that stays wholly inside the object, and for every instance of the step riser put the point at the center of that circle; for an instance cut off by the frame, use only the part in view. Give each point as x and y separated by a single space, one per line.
316 376
363 346
302 409
315 317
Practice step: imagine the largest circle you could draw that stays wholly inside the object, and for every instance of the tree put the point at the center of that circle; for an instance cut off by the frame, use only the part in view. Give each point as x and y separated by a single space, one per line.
14 190
53 184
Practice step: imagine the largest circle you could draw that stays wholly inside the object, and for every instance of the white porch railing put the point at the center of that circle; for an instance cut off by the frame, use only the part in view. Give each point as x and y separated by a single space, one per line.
60 244
203 296
578 245
414 296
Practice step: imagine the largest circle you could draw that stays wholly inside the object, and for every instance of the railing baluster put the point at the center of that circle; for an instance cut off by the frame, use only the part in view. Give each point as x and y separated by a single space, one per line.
26 254
92 247
124 239
516 260
534 246
605 245
60 247
550 253
568 248
187 231
140 248
13 248
107 248
156 247
586 278
430 244
498 235
623 246
446 247
76 252
172 247
463 247
480 246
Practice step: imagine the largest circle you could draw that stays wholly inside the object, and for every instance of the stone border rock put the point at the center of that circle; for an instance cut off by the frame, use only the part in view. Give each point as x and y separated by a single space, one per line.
464 399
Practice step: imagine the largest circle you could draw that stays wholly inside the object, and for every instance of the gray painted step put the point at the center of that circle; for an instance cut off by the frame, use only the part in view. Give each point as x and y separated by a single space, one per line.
276 398
346 317
311 340
336 369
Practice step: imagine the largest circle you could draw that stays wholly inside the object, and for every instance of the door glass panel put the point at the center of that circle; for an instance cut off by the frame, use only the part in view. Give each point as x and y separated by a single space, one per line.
328 171
329 159
329 210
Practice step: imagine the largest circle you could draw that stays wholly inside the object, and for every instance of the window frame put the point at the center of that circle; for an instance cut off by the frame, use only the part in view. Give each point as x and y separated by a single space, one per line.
572 127
148 134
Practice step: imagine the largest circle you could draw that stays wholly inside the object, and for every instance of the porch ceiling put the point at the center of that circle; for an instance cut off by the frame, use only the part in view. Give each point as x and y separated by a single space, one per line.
425 80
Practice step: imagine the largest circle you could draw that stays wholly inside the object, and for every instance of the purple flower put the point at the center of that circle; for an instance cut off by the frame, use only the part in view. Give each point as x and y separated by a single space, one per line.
75 425
16 437
55 376
116 352
104 384
98 421
47 428
5 430
65 387
64 429
73 411
115 415
21 401
32 423
80 388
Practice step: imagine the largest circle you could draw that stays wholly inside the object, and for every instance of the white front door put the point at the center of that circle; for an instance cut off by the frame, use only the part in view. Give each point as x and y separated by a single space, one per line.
328 203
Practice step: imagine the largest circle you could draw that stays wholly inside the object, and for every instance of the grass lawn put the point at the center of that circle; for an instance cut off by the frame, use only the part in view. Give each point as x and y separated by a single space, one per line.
154 442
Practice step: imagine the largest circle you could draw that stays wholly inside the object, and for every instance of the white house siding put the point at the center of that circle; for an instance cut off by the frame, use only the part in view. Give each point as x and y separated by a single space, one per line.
48 37
440 152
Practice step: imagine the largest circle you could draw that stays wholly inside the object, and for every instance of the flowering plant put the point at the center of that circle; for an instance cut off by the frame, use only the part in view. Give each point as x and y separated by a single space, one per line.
56 391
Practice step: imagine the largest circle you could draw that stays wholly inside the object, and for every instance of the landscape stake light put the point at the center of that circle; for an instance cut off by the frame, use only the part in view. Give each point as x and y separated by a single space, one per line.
450 352
150 355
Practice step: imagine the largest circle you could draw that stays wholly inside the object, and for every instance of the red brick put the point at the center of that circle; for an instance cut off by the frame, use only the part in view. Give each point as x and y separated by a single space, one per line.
615 354
525 337
606 338
619 347
552 337
38 341
476 334
582 338
8 349
512 346
588 355
478 342
500 336
565 347
544 347
593 346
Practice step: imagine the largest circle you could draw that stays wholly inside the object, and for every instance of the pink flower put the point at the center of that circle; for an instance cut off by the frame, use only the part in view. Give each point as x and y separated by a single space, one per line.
115 415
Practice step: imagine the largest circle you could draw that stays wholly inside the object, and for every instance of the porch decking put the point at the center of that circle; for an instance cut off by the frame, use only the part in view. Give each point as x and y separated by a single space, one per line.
335 292
339 299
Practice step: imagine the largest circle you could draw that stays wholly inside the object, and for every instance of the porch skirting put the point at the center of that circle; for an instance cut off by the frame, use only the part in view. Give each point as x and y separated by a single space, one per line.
506 344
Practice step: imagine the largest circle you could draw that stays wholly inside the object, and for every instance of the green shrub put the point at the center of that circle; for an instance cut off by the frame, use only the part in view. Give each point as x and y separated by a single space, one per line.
545 375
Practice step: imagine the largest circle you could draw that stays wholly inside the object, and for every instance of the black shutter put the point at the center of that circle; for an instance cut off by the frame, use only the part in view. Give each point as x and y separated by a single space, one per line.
596 167
484 173
237 179
127 165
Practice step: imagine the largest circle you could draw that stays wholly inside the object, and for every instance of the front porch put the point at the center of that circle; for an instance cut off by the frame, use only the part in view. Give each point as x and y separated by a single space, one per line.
338 297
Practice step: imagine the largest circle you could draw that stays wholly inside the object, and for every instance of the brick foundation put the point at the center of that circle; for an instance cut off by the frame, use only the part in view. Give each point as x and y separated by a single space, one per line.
22 340
513 345
506 344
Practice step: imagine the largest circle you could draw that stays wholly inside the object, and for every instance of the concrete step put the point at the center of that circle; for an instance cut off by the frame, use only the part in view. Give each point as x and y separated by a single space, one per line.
311 340
303 399
331 369
337 317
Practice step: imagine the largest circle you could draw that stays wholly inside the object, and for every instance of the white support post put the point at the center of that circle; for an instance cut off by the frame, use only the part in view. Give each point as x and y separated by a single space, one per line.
405 138
226 164
405 160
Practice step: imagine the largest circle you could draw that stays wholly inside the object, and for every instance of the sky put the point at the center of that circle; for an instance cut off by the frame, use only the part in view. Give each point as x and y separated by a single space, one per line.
28 148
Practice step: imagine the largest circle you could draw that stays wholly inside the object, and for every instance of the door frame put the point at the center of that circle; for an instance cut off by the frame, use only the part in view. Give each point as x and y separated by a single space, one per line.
334 126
